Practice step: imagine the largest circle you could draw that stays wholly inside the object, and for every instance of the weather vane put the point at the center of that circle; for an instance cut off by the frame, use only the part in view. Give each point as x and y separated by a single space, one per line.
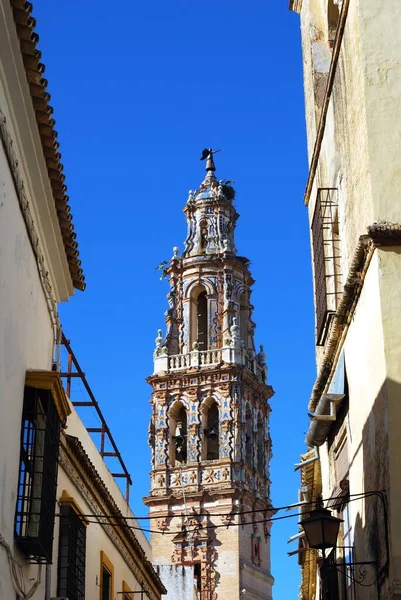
208 154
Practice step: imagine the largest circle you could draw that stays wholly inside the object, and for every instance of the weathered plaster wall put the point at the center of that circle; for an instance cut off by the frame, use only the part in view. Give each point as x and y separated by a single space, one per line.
390 294
380 44
360 156
178 580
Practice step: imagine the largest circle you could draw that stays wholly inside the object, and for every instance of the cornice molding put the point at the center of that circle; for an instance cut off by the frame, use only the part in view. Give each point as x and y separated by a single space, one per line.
50 380
95 492
296 6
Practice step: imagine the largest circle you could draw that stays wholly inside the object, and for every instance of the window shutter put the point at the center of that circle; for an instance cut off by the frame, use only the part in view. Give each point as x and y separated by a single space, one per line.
342 464
319 269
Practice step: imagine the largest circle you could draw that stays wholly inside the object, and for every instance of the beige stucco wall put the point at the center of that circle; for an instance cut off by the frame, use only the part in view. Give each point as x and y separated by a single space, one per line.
26 342
76 428
97 540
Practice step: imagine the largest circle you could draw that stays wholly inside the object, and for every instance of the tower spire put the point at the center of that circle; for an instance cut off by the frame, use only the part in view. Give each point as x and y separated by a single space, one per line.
209 429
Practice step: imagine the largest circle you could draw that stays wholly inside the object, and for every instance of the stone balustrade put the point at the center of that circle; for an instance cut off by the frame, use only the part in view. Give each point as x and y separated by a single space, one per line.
207 358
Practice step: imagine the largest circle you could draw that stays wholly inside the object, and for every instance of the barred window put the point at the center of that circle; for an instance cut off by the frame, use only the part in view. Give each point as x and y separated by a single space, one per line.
326 260
37 480
72 555
106 591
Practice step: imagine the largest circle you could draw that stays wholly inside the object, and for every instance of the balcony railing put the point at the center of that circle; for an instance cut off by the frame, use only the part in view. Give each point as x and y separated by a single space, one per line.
208 358
194 359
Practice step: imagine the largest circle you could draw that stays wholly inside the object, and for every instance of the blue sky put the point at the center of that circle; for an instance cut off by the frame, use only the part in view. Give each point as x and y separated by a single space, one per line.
139 89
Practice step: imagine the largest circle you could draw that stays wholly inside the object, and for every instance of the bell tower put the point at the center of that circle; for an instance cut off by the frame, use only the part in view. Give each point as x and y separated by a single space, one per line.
209 430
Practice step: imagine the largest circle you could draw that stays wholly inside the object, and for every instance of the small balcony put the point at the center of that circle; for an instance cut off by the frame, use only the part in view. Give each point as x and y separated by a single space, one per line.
202 359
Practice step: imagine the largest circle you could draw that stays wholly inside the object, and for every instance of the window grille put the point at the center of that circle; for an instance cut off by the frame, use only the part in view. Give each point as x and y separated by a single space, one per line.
329 578
326 260
72 555
37 480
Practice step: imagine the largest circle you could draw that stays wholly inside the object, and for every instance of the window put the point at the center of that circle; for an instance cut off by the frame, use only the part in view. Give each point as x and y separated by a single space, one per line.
72 554
198 579
211 431
37 480
348 540
326 260
106 578
333 15
248 438
199 318
127 592
202 321
243 319
261 445
178 435
204 234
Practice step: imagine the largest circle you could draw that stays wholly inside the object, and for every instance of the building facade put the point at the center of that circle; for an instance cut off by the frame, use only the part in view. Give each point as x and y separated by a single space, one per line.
352 79
57 496
209 431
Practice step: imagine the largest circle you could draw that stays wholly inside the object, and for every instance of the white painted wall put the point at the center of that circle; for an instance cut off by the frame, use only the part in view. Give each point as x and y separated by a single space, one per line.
178 580
26 342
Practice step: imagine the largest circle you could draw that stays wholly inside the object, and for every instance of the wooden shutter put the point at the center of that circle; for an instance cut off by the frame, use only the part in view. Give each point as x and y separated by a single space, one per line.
342 464
319 270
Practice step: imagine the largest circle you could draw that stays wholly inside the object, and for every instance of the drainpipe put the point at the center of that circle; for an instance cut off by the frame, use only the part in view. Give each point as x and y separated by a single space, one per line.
48 579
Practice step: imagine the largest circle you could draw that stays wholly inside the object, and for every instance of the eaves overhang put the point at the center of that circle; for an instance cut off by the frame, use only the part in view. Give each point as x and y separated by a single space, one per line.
34 69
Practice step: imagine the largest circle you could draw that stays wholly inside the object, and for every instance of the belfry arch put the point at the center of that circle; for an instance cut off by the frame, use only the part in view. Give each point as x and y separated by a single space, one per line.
211 429
199 318
178 426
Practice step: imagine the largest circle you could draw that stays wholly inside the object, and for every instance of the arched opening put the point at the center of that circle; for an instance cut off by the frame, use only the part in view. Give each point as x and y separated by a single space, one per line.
199 310
204 234
243 319
202 321
261 445
248 438
210 450
333 15
178 435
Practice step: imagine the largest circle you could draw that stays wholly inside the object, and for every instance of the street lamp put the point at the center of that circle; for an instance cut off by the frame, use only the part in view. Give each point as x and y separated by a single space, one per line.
321 529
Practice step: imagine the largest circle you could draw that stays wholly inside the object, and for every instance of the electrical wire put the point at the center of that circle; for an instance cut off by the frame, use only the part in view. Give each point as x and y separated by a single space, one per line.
195 529
17 576
200 526
274 509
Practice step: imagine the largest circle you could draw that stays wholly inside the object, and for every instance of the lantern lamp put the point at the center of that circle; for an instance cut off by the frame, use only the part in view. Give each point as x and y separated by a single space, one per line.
321 529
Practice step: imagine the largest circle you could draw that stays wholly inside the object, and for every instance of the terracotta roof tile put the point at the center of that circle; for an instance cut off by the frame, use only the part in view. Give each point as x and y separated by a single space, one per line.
34 69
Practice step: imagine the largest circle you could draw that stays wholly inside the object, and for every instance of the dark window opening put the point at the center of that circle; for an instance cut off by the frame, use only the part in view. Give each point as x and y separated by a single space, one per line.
106 584
202 321
333 16
180 437
204 234
72 555
248 438
261 446
37 480
212 433
197 576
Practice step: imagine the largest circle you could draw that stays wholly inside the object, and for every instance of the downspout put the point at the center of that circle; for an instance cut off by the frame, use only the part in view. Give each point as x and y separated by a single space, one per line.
48 580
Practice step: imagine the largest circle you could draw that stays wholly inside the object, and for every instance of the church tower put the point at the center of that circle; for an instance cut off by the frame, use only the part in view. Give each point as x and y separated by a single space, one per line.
209 431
